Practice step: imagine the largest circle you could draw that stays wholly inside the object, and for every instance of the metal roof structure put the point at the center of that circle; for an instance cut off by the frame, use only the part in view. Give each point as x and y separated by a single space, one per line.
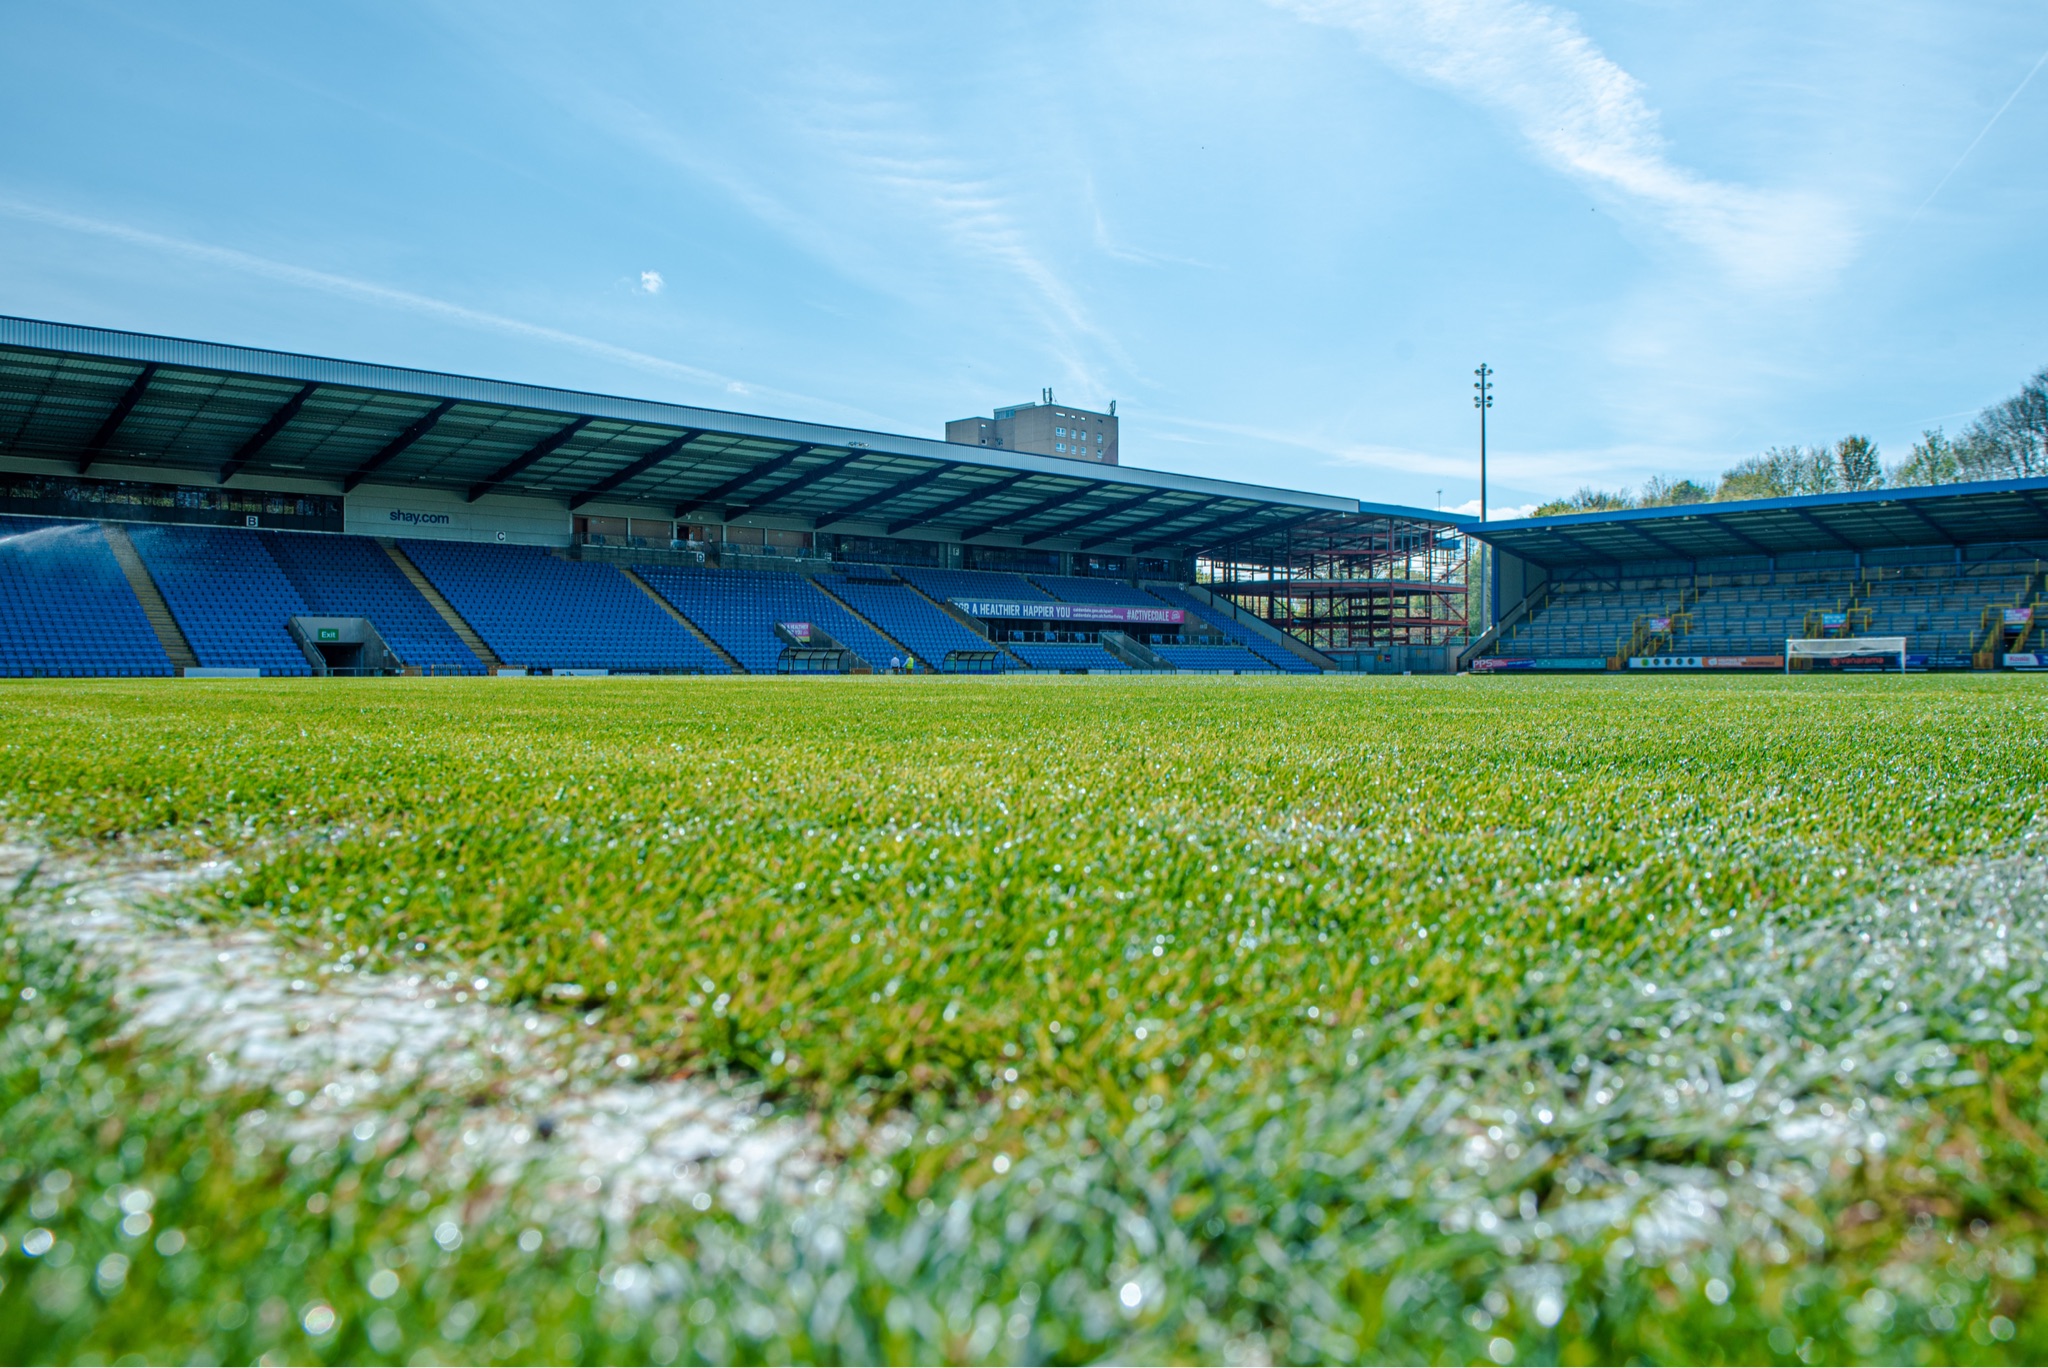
210 413
1935 515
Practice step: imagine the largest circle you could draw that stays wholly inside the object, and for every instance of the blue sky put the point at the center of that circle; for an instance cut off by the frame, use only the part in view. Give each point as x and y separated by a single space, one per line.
1280 235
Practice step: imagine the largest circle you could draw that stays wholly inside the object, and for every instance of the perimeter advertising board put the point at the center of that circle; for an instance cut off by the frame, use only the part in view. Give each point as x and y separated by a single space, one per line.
1495 665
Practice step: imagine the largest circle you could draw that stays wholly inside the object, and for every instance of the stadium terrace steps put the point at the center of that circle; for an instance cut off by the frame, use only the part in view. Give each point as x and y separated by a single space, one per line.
464 633
1279 657
740 609
353 577
170 638
540 611
66 607
1085 589
928 629
1215 660
1938 608
897 646
941 585
229 597
1067 656
669 608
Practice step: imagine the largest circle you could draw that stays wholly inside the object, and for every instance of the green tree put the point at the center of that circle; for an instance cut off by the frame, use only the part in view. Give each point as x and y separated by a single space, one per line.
1587 500
1932 462
1659 492
1857 465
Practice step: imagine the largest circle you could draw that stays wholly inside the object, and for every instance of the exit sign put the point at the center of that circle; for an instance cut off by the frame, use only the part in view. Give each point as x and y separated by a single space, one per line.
330 633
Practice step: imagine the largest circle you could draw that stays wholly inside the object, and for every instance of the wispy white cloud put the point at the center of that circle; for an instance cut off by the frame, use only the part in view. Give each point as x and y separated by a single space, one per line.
1585 116
327 282
1495 511
651 282
875 179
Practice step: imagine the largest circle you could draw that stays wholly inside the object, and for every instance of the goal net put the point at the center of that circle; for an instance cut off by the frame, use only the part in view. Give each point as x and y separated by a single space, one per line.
1845 648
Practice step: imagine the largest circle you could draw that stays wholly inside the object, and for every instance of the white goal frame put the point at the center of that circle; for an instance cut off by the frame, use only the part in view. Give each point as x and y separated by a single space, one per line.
1835 648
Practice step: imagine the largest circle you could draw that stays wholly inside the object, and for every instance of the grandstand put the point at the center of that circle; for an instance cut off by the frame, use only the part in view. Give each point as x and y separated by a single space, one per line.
182 507
1955 570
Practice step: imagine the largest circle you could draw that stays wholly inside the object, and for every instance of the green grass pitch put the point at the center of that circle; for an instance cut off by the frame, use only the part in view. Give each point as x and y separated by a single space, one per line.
1226 1019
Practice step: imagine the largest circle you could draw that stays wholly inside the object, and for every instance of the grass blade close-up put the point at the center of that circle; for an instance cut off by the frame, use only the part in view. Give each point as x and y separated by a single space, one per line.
1217 1019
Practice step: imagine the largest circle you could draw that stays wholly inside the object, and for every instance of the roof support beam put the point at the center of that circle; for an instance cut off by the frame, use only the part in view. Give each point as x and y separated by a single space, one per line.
1947 539
932 515
1720 526
894 491
636 469
1266 531
393 449
123 406
1666 547
1039 509
710 498
272 425
1114 510
1185 510
1186 537
1817 525
790 486
539 451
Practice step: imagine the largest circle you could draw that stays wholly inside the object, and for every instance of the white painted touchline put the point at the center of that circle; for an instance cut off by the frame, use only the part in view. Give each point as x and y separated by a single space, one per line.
341 1047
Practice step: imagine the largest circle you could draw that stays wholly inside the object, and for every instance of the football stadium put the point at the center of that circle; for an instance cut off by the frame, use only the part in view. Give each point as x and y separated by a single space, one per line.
210 510
498 874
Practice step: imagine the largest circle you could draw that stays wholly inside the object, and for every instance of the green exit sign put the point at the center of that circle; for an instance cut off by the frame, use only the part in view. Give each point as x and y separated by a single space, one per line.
330 633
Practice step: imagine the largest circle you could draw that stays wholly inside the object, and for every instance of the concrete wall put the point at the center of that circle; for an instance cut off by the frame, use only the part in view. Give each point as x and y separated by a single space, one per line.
400 511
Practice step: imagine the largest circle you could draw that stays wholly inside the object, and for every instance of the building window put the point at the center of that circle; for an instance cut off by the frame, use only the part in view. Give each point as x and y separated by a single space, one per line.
1059 446
1059 432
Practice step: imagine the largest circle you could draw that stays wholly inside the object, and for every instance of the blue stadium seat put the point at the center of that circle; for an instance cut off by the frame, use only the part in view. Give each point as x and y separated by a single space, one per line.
739 610
1279 657
66 610
1066 655
339 576
537 610
229 597
911 618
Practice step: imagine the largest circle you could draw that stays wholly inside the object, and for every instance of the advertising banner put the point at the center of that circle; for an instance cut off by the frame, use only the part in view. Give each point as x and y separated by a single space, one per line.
1664 662
2026 660
1491 664
2019 617
1068 612
1660 624
1830 621
800 630
1755 662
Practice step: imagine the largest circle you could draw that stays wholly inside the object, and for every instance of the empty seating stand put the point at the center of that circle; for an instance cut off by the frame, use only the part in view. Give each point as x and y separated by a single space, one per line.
1214 659
1080 589
997 585
228 595
340 576
66 608
537 610
1279 657
739 609
930 633
1067 657
1939 607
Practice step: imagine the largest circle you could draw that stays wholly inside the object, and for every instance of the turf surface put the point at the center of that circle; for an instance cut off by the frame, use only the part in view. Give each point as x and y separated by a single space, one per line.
1509 1020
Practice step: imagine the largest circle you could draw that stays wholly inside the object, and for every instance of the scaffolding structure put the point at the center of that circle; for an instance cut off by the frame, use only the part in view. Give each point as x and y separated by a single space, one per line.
1345 582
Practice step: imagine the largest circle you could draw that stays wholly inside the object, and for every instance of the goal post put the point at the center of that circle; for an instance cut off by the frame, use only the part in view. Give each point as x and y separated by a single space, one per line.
1841 648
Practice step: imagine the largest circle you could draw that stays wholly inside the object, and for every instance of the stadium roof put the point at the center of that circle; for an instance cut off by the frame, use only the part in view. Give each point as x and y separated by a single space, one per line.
1935 515
91 396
